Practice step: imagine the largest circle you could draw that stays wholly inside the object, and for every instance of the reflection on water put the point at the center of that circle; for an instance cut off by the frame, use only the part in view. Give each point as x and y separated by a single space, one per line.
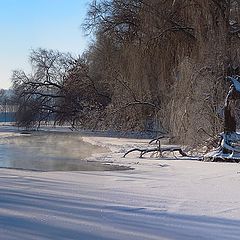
50 151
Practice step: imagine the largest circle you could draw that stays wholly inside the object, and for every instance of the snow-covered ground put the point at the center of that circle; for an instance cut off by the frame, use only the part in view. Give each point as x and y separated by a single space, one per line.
159 199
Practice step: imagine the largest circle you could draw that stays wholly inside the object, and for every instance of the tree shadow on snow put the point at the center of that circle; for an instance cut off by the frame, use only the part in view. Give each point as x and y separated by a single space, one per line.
53 213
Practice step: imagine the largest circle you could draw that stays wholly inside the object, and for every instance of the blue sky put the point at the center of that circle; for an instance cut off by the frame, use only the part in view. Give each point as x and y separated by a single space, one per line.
30 24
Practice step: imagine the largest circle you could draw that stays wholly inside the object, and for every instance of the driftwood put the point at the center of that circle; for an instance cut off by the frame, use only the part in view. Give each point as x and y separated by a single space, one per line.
157 149
163 149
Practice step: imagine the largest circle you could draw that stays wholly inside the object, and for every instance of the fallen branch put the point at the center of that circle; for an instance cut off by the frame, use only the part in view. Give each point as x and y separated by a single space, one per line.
156 140
157 149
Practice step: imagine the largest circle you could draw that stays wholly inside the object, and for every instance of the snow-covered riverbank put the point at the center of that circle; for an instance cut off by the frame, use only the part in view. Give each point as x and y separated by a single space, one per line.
159 199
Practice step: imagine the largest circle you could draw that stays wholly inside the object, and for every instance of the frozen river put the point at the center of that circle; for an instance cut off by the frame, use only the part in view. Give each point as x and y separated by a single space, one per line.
166 198
50 151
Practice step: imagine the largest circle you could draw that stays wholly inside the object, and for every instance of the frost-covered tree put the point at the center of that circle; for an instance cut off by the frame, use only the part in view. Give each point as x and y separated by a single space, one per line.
172 54
59 89
229 149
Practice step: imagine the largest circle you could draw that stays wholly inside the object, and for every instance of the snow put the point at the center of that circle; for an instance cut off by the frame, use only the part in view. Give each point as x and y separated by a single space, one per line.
159 199
230 141
235 82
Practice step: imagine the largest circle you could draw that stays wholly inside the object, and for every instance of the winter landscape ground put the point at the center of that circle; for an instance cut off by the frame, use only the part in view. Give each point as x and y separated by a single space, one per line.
157 199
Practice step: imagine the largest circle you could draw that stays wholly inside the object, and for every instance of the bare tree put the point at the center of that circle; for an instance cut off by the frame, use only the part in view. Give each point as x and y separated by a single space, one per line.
171 54
59 89
229 149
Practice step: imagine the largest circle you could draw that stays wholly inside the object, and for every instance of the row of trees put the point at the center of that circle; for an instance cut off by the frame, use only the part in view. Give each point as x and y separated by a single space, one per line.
174 55
153 64
7 103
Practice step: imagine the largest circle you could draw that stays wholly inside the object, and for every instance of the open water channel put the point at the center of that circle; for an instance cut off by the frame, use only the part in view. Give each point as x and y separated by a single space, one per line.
51 151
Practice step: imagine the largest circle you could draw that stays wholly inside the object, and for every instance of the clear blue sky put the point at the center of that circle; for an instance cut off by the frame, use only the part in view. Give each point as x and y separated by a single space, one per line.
30 24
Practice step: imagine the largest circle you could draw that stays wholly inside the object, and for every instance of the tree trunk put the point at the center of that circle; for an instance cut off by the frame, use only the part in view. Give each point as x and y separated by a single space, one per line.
229 117
230 123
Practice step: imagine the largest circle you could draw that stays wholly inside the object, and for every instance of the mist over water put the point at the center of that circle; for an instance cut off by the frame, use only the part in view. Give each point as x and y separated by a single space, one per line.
50 151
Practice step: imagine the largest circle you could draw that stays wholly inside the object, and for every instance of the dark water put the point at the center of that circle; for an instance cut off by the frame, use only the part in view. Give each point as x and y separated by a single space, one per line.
46 151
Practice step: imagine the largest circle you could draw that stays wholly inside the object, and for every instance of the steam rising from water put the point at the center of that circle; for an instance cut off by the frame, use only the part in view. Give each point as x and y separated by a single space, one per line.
50 151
